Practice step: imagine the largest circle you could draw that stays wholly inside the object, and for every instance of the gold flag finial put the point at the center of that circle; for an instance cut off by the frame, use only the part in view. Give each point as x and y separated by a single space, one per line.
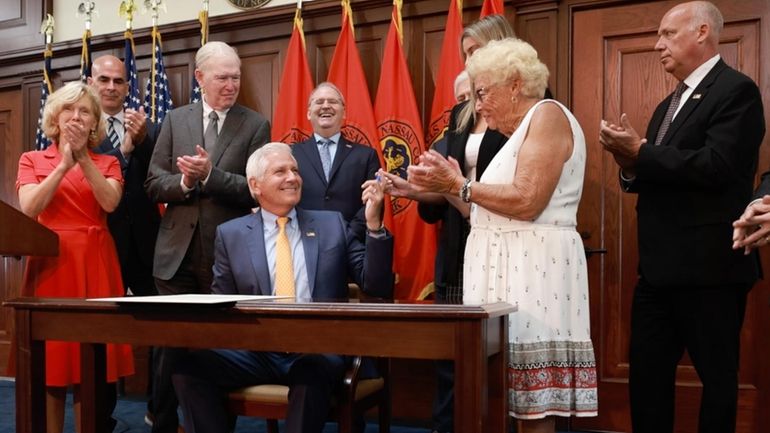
127 10
87 9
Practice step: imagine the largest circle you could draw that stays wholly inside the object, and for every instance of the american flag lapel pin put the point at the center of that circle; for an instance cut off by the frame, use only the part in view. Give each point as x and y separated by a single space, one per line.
310 233
696 96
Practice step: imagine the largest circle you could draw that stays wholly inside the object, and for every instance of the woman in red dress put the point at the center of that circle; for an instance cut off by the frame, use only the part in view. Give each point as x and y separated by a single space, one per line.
70 190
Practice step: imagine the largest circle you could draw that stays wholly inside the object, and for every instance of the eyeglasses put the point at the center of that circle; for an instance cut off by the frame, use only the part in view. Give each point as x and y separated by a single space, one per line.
482 93
330 101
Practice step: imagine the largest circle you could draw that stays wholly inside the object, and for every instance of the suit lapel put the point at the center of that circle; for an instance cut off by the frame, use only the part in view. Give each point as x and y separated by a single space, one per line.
256 241
309 233
344 148
692 102
228 131
309 150
195 126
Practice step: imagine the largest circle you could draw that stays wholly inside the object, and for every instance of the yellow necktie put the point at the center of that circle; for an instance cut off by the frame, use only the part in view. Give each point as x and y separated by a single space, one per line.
284 268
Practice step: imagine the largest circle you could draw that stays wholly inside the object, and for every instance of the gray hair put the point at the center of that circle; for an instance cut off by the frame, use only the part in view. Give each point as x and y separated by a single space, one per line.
510 59
461 78
212 50
255 166
327 84
71 93
706 12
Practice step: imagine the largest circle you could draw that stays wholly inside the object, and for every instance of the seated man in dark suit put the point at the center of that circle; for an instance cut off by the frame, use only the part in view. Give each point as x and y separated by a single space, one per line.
252 255
332 167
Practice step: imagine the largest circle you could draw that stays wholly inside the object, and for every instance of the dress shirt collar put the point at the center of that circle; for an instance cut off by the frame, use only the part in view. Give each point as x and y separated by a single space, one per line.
695 78
207 109
269 220
335 139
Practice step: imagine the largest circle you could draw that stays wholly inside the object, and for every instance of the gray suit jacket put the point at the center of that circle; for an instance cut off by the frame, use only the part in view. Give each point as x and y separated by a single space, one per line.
226 193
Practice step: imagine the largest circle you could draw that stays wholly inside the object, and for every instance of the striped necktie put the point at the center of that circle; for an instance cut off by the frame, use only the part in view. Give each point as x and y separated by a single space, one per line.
284 267
112 134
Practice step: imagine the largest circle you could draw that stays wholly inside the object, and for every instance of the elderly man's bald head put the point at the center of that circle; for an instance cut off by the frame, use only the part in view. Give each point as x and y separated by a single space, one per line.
108 78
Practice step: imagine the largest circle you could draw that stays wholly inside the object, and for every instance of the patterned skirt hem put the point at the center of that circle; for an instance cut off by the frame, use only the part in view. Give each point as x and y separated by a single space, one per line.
564 414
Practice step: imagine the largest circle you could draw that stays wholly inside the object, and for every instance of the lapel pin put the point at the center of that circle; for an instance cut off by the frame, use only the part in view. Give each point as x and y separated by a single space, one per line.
310 233
696 96
348 146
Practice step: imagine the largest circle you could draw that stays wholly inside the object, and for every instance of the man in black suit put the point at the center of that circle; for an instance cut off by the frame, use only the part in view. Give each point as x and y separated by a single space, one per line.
321 256
693 176
134 223
333 167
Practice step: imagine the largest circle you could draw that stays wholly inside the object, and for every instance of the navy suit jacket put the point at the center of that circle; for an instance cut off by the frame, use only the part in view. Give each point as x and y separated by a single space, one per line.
136 219
697 182
353 165
332 256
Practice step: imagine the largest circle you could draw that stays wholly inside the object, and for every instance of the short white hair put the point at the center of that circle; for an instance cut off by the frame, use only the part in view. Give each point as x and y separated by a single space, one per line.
508 59
255 166
212 50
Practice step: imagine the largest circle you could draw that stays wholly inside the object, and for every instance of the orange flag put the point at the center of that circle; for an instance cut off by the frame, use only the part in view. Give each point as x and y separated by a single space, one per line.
347 74
492 7
401 138
290 122
450 66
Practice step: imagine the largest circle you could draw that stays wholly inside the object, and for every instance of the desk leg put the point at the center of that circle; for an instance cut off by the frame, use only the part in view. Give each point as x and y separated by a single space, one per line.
497 332
470 378
30 377
93 388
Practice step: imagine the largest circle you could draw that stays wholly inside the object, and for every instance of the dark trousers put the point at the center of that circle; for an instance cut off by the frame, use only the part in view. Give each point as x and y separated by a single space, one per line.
706 321
194 276
203 378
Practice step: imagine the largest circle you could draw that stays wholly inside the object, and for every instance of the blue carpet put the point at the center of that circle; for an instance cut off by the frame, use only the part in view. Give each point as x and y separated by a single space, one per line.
130 415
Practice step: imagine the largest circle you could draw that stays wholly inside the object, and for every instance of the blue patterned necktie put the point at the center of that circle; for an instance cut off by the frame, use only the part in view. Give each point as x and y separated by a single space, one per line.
680 88
112 134
326 159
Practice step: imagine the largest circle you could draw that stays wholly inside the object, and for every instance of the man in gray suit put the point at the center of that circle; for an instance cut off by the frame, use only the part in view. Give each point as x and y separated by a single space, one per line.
198 169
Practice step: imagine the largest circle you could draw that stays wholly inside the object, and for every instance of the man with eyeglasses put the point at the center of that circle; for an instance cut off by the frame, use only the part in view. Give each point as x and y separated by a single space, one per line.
333 167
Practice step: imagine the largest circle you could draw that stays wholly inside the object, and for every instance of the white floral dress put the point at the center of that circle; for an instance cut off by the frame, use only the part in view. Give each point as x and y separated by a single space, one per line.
538 266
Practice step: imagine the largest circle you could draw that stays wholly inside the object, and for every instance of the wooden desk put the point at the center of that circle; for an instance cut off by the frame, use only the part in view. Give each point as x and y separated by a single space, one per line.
474 336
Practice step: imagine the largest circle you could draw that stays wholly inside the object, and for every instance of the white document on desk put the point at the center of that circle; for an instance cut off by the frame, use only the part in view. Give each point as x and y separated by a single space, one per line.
194 299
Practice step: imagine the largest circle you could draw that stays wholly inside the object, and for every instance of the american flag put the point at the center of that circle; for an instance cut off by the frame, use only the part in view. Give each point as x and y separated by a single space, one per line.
85 57
195 93
203 18
133 99
41 141
157 96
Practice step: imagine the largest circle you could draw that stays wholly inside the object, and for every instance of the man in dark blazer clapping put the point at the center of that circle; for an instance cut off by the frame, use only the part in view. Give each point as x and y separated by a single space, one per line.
199 169
693 174
333 168
322 256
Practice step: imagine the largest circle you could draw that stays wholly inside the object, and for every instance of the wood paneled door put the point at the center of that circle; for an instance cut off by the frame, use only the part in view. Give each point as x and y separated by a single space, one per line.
615 70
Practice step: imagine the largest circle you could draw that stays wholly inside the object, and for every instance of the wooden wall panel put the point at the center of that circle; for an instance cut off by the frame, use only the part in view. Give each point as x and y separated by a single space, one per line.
20 23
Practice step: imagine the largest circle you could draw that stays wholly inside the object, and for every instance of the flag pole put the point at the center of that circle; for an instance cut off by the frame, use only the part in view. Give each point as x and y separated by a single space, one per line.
47 27
86 9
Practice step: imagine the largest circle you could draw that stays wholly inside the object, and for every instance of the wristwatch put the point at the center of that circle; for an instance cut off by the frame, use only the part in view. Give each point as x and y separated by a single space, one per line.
376 233
465 191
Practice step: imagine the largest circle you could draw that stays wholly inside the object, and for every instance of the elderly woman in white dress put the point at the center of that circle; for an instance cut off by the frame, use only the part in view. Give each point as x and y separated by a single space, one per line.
523 247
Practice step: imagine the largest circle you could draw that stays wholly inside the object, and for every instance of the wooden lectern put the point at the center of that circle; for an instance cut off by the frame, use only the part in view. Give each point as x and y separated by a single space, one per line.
21 235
